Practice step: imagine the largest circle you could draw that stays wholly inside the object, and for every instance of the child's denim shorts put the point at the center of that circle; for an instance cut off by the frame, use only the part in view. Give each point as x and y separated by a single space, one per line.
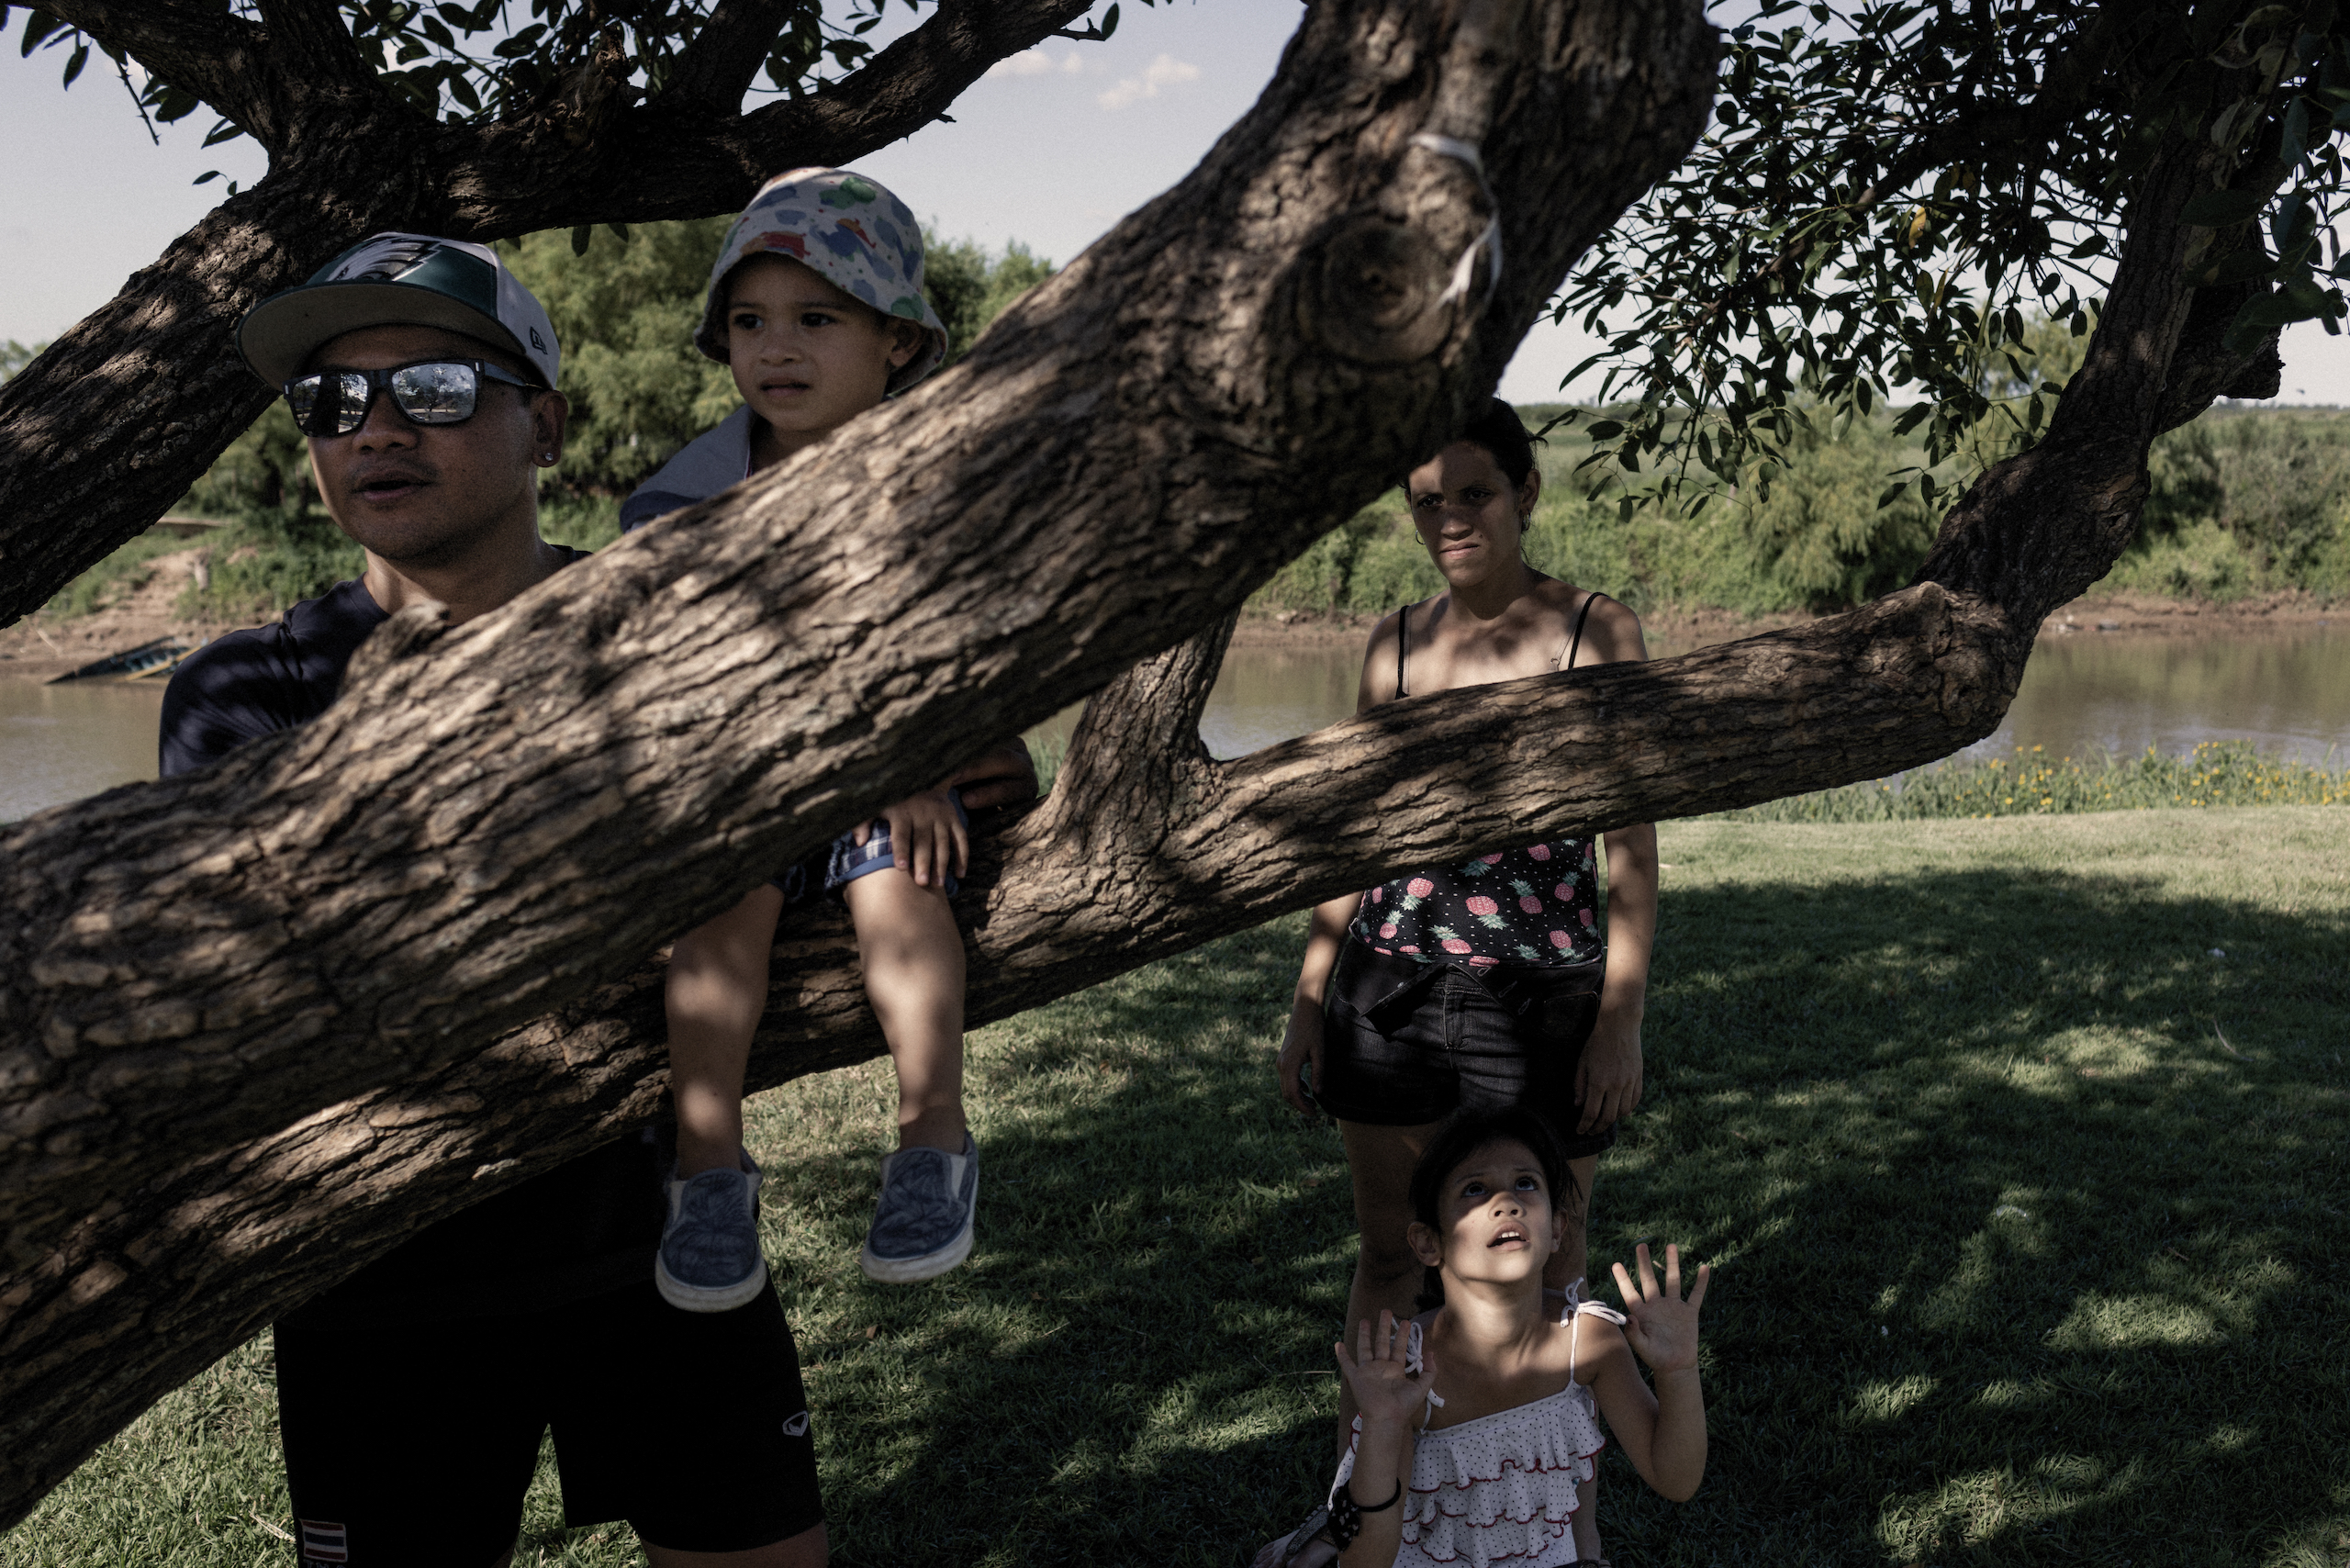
846 860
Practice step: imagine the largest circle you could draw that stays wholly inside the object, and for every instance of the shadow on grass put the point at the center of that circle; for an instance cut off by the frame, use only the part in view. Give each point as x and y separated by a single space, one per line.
2029 1216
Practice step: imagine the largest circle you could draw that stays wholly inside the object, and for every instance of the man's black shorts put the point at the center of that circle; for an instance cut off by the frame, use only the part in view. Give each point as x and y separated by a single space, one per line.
1406 1042
412 1446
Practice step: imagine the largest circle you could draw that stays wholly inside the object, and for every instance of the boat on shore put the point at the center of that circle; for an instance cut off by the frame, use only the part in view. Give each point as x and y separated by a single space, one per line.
144 662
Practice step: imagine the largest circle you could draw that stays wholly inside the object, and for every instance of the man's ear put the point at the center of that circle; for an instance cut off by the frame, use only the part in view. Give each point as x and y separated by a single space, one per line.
1422 1239
550 412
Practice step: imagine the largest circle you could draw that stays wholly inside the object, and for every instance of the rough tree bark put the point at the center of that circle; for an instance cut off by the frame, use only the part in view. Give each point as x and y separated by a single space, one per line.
113 422
355 910
496 819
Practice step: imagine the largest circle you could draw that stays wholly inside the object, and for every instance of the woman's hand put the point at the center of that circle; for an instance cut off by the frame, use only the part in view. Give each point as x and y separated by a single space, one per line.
1660 1326
1608 1075
1387 1395
927 840
1300 1047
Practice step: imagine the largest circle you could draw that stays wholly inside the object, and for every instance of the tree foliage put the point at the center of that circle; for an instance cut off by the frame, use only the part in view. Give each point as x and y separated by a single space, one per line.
1894 191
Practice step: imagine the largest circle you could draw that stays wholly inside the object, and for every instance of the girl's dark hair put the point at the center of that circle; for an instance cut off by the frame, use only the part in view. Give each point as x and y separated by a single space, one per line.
1499 431
1464 1136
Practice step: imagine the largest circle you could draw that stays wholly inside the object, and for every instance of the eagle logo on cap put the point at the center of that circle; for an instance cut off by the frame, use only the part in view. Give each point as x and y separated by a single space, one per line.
394 261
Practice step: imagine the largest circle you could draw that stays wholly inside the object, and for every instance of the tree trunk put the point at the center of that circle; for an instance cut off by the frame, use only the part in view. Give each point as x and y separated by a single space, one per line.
498 821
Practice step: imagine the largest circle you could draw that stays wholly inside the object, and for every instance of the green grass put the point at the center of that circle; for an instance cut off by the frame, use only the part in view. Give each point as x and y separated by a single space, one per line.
2030 783
2029 1211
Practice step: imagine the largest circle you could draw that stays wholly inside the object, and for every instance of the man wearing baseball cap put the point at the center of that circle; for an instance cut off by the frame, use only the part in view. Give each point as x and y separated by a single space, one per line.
413 1396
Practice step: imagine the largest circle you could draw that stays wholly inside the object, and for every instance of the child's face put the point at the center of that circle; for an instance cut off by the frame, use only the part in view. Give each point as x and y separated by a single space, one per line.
806 356
1495 1220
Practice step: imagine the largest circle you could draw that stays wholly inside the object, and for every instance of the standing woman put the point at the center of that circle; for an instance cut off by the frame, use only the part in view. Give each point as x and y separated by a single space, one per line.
1484 985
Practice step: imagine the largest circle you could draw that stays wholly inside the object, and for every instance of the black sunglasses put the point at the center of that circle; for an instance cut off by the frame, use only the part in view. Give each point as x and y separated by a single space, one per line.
431 392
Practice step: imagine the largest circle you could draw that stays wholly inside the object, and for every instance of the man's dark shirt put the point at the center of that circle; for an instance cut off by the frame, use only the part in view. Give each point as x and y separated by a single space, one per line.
584 1228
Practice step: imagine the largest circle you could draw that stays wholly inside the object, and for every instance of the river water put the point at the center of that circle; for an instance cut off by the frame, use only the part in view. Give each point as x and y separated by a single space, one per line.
2287 692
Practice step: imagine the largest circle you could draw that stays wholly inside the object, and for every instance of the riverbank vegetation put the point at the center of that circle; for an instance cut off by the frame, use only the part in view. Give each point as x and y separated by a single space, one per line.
2243 502
2021 1196
2030 783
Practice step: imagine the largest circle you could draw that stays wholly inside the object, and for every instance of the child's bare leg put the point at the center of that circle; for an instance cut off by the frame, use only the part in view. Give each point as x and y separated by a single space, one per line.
912 956
717 989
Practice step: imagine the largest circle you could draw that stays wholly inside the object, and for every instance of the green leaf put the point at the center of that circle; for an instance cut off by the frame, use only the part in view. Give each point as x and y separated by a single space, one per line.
1892 494
579 237
1606 430
2222 209
1109 21
38 25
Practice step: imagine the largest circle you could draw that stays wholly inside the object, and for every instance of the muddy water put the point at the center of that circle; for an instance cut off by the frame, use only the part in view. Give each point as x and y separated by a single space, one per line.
61 742
2287 692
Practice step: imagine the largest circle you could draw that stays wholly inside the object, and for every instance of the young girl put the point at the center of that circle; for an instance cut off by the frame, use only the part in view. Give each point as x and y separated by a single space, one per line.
1476 1418
816 307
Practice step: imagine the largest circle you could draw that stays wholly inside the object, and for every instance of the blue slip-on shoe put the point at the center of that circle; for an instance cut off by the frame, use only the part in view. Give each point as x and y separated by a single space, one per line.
921 1226
709 1259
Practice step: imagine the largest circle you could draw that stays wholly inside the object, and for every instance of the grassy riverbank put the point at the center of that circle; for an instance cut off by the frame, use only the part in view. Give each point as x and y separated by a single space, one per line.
2029 1205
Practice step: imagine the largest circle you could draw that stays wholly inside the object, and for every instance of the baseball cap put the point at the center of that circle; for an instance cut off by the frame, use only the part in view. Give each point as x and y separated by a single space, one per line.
851 233
394 279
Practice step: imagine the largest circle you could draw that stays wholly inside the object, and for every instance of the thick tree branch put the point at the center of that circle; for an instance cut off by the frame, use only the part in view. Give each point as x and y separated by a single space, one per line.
715 70
309 38
1145 848
1227 375
2038 529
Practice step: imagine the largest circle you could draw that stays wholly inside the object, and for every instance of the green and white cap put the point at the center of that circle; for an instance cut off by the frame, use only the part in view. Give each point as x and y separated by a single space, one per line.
392 279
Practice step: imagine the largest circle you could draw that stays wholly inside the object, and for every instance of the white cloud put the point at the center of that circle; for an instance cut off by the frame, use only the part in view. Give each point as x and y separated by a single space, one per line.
1029 63
1071 63
1164 71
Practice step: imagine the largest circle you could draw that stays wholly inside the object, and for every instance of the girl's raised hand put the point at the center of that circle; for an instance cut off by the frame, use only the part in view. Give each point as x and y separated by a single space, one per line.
1383 1390
1660 1326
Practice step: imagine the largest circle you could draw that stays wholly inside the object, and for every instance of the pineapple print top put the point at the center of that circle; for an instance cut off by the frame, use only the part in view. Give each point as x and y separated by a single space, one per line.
1535 905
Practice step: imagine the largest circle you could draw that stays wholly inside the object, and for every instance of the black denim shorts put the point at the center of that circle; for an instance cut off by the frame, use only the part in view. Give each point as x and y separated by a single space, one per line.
1405 1043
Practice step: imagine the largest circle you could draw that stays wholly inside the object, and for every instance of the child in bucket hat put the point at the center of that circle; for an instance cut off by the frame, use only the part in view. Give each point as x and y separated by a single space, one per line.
816 307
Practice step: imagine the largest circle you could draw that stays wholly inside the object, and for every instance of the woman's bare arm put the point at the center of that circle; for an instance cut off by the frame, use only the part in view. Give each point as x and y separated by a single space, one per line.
1611 1074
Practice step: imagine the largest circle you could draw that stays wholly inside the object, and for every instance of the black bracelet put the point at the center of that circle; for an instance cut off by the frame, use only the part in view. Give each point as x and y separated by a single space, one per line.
1345 1514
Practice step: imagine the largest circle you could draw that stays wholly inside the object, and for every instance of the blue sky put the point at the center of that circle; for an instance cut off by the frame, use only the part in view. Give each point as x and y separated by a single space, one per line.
1050 149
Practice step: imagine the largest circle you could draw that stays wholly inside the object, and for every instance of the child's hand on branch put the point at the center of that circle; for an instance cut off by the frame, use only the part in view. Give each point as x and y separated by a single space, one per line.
926 839
1660 1326
1385 1393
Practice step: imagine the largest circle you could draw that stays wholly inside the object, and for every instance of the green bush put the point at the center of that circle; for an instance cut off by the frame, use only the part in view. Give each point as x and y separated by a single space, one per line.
265 561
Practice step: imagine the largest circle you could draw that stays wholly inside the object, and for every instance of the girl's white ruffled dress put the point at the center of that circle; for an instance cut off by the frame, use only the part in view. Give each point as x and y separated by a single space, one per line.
1500 1489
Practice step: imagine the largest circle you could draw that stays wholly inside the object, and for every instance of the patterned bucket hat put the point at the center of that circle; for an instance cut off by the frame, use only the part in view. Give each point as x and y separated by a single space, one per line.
852 234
